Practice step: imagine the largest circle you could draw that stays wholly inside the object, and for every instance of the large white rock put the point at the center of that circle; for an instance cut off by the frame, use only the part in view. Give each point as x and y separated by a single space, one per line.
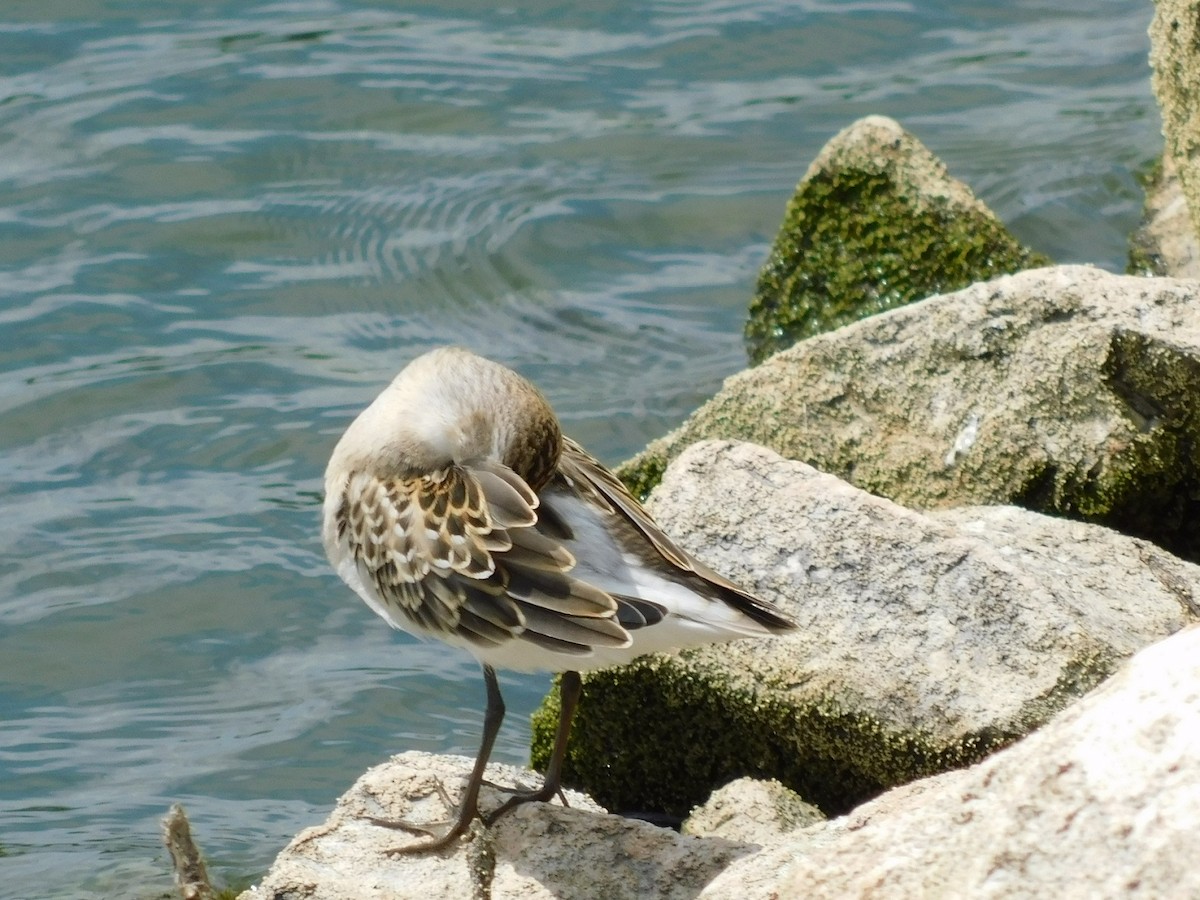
1103 802
538 852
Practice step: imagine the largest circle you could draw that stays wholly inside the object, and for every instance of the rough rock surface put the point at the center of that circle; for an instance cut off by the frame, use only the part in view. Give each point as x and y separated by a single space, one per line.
751 811
875 222
1165 243
1175 59
538 852
1065 390
1103 802
925 641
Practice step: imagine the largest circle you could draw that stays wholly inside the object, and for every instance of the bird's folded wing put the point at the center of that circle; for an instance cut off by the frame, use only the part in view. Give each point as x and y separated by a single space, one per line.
588 476
458 553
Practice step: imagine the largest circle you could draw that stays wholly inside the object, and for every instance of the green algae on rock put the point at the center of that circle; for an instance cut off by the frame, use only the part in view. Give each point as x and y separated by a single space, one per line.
876 222
693 729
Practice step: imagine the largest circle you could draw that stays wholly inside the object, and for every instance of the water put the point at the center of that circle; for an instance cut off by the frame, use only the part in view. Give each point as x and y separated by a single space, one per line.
224 226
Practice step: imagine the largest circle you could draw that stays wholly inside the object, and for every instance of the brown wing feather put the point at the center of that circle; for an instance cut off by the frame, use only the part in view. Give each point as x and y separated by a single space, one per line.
589 476
459 551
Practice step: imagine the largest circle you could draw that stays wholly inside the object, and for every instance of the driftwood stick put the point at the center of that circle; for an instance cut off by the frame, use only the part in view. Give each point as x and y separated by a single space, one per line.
190 875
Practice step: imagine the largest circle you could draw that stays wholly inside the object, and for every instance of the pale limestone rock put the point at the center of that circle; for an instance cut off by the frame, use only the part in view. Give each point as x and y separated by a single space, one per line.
1102 802
751 811
538 852
1175 59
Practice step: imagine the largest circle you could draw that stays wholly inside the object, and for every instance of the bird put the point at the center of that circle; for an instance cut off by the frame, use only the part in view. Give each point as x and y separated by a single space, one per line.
457 509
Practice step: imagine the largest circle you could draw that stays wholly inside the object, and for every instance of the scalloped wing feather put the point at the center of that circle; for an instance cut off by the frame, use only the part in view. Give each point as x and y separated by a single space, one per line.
458 552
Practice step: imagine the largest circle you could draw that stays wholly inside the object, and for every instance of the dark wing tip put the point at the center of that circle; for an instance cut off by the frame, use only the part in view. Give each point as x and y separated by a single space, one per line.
580 466
764 612
634 612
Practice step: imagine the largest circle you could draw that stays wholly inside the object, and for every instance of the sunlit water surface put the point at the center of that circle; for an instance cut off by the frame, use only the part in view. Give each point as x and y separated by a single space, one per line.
224 226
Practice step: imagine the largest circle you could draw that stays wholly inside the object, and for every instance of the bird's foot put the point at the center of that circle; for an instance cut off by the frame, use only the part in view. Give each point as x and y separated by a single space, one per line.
528 796
440 839
543 794
437 843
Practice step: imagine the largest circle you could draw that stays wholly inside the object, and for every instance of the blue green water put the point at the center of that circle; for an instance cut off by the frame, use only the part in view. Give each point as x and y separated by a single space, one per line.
224 226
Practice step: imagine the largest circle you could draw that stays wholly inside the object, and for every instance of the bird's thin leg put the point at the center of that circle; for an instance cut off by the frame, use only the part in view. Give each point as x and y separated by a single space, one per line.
570 687
469 806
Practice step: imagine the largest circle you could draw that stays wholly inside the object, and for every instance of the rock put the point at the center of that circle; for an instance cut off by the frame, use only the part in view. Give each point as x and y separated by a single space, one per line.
1175 59
539 851
1165 243
925 641
1102 802
751 811
187 863
1066 390
876 222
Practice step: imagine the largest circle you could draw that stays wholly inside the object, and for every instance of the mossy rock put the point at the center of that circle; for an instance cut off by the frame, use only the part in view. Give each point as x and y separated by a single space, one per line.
655 738
1150 488
1068 391
1145 251
685 741
642 474
876 223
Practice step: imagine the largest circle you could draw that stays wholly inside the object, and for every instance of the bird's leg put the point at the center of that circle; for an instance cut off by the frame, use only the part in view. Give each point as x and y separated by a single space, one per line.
469 806
570 687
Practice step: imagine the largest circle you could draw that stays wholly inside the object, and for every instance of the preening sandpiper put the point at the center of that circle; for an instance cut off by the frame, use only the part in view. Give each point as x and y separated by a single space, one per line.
457 509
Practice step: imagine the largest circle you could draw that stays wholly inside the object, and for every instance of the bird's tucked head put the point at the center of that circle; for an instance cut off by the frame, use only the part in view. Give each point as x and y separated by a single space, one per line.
451 406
